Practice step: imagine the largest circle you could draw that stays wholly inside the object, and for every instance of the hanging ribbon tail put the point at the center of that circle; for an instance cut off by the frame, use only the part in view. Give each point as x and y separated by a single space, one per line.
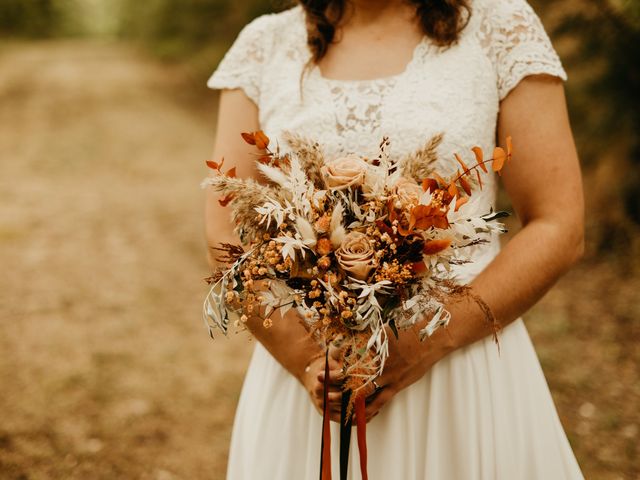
361 424
345 434
325 445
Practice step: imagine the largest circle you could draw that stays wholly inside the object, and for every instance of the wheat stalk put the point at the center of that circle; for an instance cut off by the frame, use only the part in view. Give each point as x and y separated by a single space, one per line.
310 155
421 163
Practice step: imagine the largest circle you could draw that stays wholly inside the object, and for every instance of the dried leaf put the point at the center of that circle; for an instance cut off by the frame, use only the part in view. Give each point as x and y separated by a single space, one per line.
429 184
419 267
261 140
440 222
231 173
479 178
499 156
477 151
452 189
465 185
436 246
224 201
249 138
464 166
460 202
215 165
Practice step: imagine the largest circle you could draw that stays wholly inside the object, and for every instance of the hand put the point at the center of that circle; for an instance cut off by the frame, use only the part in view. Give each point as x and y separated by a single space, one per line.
313 381
409 360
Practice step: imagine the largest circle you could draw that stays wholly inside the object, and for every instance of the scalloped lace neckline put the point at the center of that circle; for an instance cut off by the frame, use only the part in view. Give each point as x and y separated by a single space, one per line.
421 46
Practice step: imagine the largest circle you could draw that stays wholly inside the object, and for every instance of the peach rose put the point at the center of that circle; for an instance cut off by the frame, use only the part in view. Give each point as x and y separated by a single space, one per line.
344 172
356 256
408 191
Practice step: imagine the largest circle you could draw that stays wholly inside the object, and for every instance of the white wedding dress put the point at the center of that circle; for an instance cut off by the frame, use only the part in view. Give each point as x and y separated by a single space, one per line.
478 414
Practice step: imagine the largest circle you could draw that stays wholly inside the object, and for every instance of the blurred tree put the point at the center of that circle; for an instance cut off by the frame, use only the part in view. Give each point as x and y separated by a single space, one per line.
599 41
179 28
27 18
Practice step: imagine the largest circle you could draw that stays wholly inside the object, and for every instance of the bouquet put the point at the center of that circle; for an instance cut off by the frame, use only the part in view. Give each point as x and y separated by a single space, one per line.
360 247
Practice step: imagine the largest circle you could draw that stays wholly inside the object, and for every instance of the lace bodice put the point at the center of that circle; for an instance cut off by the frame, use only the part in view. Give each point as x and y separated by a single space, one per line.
455 90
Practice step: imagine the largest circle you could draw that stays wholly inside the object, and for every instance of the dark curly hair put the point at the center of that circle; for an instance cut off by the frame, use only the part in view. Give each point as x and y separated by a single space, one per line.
441 20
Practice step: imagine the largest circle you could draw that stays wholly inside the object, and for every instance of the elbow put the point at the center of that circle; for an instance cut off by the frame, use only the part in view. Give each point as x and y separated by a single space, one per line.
578 249
575 245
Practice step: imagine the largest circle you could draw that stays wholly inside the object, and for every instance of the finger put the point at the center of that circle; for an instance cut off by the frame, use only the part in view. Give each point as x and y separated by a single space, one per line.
336 377
372 416
378 402
335 353
335 398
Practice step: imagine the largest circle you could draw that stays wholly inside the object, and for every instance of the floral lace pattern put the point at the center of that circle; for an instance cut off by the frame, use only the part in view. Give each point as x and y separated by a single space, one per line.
455 90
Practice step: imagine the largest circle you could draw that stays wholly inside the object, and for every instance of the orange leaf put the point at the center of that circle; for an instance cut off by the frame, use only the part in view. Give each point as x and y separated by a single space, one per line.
265 159
249 138
499 156
232 173
262 141
429 184
435 246
465 185
440 222
477 151
215 165
225 200
393 215
464 167
509 148
425 222
460 201
419 267
453 190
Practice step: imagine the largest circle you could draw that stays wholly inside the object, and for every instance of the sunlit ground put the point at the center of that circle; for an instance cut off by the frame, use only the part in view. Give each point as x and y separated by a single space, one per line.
105 368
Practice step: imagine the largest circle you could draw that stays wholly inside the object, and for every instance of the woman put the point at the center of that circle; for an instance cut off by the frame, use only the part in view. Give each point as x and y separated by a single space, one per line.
347 73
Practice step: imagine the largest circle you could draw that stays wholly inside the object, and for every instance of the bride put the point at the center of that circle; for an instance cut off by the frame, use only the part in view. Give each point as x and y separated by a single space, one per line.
346 73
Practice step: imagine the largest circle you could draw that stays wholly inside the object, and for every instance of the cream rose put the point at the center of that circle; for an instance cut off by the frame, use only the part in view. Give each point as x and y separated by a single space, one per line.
356 256
408 191
344 172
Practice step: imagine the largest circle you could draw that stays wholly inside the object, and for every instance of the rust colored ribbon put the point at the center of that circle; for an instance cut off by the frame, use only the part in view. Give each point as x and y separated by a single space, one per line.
361 424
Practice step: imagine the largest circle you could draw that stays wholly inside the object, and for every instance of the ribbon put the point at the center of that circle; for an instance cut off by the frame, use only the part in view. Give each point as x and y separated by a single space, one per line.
345 434
361 424
325 445
345 431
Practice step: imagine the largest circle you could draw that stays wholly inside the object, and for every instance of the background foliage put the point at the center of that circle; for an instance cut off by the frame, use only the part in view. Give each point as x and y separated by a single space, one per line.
597 40
104 370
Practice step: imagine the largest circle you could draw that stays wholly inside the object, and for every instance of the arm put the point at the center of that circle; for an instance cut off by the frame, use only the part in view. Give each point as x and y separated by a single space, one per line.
287 340
544 184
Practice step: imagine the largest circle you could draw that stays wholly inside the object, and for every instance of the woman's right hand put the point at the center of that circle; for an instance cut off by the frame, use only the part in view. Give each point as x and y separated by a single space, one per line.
313 381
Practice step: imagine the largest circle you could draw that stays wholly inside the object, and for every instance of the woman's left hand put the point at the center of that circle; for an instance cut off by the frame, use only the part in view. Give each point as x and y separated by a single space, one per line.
409 360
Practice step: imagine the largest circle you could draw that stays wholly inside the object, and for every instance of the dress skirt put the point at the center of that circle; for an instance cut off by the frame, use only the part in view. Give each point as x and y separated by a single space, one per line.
479 414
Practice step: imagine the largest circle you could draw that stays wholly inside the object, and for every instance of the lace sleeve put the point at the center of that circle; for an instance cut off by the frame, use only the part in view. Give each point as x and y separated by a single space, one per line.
242 65
518 44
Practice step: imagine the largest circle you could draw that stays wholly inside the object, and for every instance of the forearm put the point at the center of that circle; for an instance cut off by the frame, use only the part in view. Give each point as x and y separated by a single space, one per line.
287 340
515 280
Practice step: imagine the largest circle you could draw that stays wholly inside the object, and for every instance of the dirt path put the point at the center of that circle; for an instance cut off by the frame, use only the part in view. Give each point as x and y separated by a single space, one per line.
104 369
